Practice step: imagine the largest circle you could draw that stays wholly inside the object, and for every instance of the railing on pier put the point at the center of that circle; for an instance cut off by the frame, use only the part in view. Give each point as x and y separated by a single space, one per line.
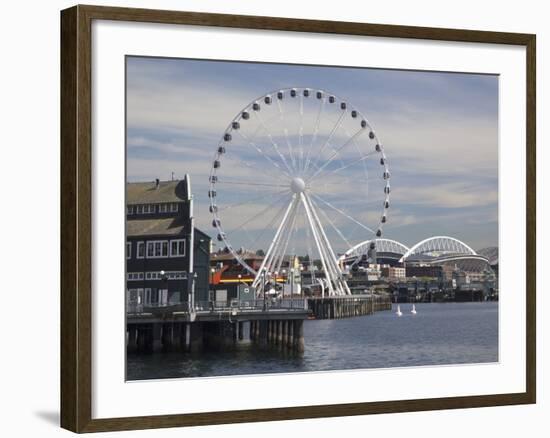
259 305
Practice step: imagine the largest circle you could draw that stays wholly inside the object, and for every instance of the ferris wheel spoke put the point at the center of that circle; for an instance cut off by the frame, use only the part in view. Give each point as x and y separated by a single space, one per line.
337 151
266 172
352 163
331 223
278 214
274 144
333 130
339 182
249 201
343 213
301 132
251 184
285 130
315 132
267 157
256 216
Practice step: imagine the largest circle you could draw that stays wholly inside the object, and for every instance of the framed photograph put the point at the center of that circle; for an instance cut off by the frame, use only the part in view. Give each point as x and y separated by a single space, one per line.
268 218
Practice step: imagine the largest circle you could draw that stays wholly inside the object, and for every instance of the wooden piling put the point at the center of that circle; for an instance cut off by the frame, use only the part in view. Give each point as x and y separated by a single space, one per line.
299 345
241 330
132 338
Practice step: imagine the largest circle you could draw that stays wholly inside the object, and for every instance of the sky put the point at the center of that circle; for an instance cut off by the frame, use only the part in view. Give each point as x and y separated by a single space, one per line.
439 133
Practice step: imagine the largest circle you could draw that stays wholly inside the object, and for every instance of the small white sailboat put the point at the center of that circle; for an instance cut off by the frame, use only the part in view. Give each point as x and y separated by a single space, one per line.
413 310
399 313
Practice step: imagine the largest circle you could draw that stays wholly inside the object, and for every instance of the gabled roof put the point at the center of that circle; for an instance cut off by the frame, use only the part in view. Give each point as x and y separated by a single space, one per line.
149 193
151 227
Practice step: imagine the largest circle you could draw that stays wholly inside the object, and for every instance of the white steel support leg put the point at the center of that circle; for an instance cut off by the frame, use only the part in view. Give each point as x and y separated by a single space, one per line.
271 263
273 243
319 245
292 221
341 286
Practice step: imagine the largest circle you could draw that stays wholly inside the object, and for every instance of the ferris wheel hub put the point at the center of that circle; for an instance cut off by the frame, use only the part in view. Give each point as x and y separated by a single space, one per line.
297 185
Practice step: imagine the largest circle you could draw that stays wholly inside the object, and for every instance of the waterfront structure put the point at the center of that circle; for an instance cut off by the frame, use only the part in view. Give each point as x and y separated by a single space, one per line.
442 267
393 272
167 258
290 179
382 251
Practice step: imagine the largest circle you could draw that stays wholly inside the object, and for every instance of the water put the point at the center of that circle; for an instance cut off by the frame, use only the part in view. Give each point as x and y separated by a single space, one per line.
447 333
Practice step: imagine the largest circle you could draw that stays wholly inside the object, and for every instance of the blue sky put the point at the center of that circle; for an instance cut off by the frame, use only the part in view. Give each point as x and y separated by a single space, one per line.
439 131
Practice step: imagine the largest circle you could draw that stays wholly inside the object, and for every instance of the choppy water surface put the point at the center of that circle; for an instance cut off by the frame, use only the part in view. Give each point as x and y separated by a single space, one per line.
447 333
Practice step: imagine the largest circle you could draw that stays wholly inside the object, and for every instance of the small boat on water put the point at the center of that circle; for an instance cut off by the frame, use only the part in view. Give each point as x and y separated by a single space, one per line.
399 313
413 310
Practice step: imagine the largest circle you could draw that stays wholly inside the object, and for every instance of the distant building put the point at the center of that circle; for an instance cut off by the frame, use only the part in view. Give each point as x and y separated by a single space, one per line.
424 271
166 257
391 272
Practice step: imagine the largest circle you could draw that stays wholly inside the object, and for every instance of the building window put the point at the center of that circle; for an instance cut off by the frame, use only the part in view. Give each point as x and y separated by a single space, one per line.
173 207
149 208
177 248
128 250
150 249
130 209
156 275
139 209
134 276
140 250
163 208
157 249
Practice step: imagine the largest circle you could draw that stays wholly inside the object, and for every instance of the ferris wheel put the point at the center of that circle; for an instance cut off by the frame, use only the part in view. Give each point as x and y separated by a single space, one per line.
298 172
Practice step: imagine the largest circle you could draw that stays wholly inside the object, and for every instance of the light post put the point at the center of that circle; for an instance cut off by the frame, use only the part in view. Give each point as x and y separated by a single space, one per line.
211 290
301 281
275 285
164 278
239 288
263 286
291 287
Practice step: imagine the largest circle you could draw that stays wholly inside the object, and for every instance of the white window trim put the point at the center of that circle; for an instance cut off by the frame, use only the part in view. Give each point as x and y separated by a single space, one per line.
177 241
156 275
153 243
174 207
141 243
134 276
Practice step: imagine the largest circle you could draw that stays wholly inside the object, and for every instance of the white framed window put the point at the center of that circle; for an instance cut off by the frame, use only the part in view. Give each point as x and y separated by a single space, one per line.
128 250
177 248
164 208
149 209
140 251
156 275
145 298
173 207
150 249
139 209
157 249
134 276
129 209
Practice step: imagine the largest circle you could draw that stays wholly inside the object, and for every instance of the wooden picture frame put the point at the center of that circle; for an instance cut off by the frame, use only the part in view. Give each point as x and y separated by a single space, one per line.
76 218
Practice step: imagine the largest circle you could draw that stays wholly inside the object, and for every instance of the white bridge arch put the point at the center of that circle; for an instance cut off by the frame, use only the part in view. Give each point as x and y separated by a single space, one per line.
381 245
438 246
